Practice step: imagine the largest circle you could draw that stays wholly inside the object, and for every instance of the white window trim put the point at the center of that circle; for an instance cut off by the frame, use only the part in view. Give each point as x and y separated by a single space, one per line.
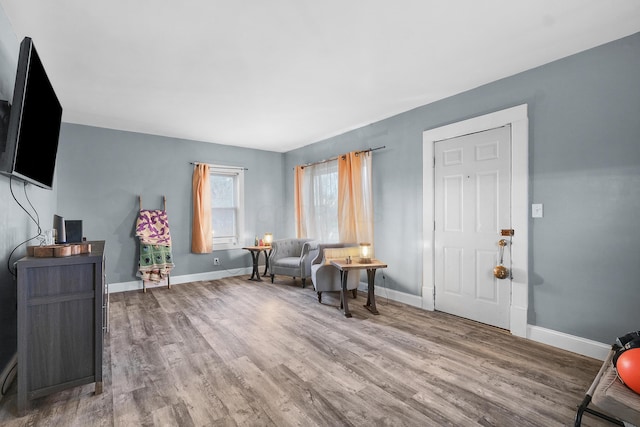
226 243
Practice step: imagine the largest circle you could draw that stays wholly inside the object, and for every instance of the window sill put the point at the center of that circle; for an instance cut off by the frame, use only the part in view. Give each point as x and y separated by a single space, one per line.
226 246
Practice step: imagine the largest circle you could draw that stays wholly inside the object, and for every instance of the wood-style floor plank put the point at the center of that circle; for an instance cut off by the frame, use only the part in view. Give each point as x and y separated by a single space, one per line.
235 352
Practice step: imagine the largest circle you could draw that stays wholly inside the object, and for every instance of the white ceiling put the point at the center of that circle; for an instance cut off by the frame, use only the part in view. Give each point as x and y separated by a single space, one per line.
281 74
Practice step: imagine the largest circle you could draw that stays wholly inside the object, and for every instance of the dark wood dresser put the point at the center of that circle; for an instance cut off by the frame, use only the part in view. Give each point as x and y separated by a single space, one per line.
62 314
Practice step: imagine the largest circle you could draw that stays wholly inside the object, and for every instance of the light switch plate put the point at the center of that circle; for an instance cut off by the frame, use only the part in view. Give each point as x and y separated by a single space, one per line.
536 210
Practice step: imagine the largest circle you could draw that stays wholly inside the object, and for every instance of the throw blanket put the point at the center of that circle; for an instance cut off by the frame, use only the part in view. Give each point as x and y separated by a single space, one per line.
155 262
152 227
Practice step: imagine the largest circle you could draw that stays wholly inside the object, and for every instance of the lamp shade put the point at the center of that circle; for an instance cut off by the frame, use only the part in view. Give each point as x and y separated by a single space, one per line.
267 239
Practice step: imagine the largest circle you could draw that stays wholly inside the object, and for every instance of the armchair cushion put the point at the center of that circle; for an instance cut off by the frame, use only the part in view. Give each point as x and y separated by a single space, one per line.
289 262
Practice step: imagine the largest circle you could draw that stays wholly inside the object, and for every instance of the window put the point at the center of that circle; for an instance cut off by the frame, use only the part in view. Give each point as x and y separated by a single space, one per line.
227 206
333 199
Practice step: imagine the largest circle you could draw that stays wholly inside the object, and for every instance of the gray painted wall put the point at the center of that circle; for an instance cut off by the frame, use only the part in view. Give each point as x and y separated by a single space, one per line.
584 114
102 171
15 225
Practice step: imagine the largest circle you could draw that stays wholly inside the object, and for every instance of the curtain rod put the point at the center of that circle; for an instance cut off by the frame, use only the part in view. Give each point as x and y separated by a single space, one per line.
337 157
219 166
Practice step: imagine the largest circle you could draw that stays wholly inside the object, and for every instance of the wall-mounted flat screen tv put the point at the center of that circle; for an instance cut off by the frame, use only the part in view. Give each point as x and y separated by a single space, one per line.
34 122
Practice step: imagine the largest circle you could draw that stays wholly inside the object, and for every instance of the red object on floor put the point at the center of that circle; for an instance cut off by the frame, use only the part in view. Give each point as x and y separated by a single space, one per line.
628 366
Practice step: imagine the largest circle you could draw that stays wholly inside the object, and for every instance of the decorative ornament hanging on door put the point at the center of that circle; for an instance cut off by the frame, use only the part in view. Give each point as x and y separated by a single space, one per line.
500 271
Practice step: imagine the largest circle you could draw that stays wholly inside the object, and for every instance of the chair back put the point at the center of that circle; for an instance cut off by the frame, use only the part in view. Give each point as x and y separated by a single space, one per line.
328 251
289 247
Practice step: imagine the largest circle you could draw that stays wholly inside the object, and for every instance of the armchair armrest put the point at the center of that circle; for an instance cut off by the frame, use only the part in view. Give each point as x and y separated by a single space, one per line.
309 252
309 248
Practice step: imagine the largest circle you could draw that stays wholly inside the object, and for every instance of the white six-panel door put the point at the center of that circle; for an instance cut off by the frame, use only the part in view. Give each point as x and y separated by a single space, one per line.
472 205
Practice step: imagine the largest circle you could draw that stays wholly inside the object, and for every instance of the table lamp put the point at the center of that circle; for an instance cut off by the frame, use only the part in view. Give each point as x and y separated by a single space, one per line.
365 253
267 239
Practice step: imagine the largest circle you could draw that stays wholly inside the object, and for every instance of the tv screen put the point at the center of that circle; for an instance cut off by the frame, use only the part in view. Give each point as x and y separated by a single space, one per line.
34 122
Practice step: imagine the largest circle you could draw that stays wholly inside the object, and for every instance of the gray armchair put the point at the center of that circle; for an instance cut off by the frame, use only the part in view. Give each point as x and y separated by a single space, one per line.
325 277
292 257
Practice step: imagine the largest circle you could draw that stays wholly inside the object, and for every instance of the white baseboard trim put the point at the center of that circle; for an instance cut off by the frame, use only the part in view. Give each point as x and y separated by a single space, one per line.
8 374
583 346
382 292
177 280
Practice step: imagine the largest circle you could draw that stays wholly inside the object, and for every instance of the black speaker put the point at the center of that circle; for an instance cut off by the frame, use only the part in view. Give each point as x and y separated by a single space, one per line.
58 225
73 227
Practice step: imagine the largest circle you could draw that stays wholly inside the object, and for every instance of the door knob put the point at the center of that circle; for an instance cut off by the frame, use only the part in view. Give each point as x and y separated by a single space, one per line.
501 272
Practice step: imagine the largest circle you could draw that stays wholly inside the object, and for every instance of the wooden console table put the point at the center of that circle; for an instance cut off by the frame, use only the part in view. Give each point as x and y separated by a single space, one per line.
255 256
345 268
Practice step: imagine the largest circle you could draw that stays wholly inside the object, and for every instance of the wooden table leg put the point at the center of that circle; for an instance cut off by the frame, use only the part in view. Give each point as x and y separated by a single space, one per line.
255 274
266 262
371 294
343 294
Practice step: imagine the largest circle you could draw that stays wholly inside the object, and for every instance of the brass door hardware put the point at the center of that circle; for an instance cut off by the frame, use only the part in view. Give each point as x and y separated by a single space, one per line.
500 271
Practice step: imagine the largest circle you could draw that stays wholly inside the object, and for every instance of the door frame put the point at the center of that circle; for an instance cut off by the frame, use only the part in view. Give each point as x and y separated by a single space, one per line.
517 117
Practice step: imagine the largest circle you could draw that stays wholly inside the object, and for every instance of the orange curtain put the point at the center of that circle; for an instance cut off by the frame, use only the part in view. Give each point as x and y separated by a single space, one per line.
355 199
297 197
201 233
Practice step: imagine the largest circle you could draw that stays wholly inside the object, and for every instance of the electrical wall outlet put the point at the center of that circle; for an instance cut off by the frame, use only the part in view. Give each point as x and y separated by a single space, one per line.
216 261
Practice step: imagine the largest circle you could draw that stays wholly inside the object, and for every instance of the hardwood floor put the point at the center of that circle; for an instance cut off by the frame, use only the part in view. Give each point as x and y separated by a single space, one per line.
234 352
